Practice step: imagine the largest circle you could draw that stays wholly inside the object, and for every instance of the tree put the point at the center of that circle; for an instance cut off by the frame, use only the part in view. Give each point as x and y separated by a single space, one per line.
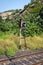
0 19
7 19
41 13
16 11
33 1
26 6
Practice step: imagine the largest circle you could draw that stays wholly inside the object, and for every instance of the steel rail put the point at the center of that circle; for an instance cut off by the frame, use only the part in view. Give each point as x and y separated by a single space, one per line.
21 57
40 62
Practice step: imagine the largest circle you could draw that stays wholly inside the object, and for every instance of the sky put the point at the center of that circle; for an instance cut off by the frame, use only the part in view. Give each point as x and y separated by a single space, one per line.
12 4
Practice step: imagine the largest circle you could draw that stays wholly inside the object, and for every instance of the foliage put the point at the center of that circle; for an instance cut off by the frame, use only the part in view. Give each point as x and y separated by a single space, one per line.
33 1
16 11
33 21
10 42
34 24
41 13
0 19
35 42
8 48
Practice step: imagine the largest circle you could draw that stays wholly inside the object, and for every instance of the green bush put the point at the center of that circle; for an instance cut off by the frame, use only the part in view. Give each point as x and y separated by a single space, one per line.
7 47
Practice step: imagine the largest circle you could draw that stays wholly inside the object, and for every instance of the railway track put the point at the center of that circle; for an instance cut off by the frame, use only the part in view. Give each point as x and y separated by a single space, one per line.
24 58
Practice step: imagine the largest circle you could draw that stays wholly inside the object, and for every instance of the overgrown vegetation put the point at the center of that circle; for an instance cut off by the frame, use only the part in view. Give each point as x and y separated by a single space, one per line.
9 44
34 28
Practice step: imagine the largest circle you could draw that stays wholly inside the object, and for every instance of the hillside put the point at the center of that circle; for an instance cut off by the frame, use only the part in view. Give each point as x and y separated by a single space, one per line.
5 14
8 13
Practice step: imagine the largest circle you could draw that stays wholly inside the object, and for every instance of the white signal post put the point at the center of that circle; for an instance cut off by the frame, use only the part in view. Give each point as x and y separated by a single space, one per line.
20 35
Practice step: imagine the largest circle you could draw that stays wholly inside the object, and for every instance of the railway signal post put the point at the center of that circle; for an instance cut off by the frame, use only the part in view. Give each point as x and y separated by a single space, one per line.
22 26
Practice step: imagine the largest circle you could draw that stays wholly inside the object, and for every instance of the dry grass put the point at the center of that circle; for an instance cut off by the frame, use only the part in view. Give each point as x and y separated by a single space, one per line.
8 46
35 42
11 43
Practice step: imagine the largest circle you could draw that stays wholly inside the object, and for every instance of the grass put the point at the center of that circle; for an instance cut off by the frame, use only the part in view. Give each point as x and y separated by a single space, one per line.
9 43
35 42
